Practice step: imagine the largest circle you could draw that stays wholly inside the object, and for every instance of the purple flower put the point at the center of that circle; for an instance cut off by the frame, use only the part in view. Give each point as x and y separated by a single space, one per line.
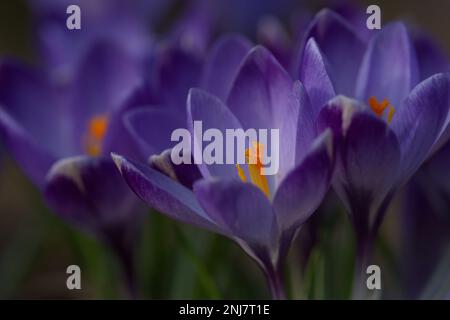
61 135
390 123
261 213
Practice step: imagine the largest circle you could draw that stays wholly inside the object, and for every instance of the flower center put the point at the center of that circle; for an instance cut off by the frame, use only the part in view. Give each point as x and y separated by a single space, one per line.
253 157
96 131
379 107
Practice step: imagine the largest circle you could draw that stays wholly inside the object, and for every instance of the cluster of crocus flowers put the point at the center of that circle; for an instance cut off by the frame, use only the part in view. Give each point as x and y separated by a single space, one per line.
359 113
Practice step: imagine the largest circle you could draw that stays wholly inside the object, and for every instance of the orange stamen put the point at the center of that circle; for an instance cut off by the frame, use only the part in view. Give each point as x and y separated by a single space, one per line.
96 133
379 107
98 126
241 173
253 157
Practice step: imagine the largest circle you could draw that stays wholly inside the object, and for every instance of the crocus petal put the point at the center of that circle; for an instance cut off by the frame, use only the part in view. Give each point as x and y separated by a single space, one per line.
389 69
30 100
214 115
223 64
239 208
185 173
306 127
151 128
31 156
303 189
355 16
90 192
261 98
260 91
107 76
419 121
118 137
176 71
342 47
314 75
443 136
163 193
27 101
368 153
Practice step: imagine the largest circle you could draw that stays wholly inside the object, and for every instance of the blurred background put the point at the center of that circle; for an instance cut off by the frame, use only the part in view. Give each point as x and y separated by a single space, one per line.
177 261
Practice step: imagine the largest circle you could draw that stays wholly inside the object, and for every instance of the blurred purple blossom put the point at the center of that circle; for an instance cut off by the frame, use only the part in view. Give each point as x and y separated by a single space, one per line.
61 136
118 21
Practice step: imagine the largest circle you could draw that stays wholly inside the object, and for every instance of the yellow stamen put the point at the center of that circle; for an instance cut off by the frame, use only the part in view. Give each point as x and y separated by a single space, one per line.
379 107
390 114
241 173
253 157
95 135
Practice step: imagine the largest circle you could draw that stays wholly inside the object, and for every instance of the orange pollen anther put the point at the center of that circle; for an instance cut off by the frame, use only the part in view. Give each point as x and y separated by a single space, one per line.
379 107
96 132
253 157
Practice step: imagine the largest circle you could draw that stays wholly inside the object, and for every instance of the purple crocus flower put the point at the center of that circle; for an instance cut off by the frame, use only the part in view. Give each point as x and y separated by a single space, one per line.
386 124
61 135
261 213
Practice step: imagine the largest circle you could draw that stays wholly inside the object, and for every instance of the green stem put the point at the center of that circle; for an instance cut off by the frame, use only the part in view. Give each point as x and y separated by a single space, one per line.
276 284
205 278
363 255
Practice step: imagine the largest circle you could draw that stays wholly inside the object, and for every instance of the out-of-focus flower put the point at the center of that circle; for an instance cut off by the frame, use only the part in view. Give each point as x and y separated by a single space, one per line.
174 71
119 21
261 213
79 123
388 129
